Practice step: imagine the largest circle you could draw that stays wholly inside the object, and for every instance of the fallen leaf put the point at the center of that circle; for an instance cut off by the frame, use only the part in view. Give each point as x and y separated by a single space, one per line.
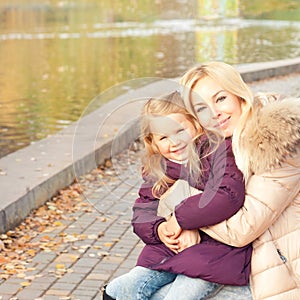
103 253
60 266
31 252
25 283
3 260
92 237
58 223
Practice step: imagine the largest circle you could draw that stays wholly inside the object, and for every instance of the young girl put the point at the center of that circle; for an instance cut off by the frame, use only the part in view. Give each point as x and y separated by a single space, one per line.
174 142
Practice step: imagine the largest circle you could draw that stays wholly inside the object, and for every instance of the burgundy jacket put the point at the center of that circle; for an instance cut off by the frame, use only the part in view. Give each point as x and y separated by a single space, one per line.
223 195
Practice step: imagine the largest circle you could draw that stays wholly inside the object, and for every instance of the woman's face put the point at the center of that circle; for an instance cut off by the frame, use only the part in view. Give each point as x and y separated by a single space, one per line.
215 106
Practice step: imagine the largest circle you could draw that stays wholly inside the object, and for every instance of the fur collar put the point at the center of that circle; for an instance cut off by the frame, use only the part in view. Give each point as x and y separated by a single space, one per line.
271 135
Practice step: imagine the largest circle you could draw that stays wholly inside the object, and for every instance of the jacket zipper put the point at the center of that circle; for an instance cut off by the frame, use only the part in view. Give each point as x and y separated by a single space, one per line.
282 257
285 261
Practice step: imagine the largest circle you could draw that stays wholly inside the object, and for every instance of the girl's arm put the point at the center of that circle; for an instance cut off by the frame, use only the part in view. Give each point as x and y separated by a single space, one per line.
268 195
223 194
145 220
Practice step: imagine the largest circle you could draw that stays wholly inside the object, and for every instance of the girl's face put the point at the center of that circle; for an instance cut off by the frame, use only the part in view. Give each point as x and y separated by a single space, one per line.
215 106
172 134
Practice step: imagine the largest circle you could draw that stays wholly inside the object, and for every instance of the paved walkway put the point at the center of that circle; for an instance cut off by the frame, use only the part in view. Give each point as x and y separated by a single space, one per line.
76 254
74 245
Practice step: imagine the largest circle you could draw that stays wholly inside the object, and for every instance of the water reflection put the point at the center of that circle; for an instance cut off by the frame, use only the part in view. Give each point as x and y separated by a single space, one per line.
56 59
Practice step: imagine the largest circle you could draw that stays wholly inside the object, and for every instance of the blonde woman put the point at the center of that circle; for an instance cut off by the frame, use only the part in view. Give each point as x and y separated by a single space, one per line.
176 148
266 139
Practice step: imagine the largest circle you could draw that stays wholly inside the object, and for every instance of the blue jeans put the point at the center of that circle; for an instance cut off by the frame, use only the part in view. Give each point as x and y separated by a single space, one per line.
226 292
141 284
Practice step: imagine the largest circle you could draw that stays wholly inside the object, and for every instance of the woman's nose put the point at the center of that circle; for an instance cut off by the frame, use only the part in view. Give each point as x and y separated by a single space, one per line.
217 115
215 112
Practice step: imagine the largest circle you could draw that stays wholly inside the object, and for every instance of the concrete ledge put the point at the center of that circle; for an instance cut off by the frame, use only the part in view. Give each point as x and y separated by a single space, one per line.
32 175
266 70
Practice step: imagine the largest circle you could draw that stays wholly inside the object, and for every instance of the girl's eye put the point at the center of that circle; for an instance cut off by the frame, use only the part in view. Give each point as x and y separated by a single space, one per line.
162 138
200 109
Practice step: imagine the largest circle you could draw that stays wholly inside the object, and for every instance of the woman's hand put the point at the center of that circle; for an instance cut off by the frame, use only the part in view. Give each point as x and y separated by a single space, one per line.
167 237
188 238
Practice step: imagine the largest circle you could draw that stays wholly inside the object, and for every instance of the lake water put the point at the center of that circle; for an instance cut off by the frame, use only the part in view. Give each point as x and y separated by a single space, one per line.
56 60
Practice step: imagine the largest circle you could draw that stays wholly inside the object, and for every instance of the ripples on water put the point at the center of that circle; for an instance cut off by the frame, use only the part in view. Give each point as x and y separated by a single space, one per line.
161 27
53 76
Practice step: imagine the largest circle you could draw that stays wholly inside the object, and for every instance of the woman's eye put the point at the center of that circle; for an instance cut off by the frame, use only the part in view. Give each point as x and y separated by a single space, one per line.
220 99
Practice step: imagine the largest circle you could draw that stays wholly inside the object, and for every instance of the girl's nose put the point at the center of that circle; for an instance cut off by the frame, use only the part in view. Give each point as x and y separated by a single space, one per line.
174 140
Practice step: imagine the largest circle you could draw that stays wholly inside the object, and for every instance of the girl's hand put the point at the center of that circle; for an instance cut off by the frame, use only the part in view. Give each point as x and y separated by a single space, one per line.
173 226
188 238
167 237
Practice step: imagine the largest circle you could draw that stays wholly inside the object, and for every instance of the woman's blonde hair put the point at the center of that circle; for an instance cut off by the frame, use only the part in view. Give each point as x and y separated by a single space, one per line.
154 167
231 81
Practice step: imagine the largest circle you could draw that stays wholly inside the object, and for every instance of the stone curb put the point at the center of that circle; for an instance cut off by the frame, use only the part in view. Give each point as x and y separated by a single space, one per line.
31 176
260 71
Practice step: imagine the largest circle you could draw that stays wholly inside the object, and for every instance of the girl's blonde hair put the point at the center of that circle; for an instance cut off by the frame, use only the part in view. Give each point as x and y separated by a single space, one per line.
154 167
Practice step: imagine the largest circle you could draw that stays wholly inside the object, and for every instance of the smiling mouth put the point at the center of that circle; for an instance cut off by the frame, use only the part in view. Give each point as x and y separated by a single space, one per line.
223 122
179 150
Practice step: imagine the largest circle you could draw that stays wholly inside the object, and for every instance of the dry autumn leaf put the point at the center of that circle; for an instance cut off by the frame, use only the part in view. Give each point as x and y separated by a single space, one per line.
58 223
2 246
60 266
25 283
31 252
103 253
3 260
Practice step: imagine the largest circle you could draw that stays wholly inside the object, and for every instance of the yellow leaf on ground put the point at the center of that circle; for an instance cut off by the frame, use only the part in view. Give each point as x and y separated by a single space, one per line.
60 266
25 283
31 252
58 223
74 257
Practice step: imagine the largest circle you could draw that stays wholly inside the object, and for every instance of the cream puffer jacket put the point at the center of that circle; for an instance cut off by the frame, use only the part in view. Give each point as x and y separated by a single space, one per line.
271 213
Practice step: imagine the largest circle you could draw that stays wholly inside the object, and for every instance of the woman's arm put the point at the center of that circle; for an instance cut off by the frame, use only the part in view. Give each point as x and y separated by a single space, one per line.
223 194
268 195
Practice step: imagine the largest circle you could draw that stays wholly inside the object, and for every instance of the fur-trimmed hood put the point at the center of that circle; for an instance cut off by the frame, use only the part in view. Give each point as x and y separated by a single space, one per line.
271 135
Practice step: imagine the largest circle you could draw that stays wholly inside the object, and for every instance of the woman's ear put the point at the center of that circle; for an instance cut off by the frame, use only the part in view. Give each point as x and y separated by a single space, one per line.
244 105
